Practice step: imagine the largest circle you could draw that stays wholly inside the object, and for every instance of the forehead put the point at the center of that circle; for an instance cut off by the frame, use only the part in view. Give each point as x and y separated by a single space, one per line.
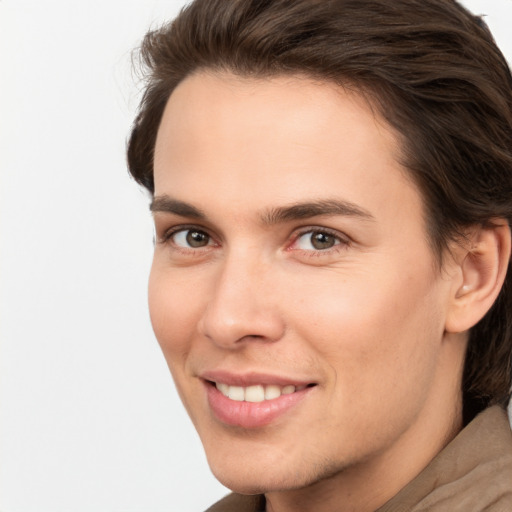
257 142
230 109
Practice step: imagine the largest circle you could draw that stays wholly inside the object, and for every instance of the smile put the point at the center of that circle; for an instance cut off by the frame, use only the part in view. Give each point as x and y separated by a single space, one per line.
256 393
253 405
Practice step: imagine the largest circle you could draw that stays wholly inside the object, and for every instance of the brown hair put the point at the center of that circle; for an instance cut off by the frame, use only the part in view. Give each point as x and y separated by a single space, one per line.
435 74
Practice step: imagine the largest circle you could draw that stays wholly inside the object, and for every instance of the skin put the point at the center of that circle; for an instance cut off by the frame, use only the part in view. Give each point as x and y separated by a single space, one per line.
364 319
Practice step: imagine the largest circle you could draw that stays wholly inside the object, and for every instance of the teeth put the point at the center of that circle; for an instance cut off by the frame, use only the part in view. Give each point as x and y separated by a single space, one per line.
254 394
236 393
223 388
257 393
272 392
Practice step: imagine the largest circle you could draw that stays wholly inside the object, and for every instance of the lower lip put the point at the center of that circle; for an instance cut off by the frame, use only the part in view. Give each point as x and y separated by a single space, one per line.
251 414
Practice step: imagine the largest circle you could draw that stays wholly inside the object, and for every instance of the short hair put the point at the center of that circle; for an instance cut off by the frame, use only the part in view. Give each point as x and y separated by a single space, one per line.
430 68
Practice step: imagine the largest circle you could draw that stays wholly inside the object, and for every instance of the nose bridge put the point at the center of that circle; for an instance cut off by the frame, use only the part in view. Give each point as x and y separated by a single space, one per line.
240 307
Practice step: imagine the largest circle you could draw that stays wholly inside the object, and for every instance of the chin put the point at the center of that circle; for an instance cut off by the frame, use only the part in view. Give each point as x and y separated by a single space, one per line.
245 476
253 483
242 486
257 476
248 465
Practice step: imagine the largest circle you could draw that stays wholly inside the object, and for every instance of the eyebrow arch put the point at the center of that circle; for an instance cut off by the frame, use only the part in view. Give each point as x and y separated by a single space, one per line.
329 207
167 204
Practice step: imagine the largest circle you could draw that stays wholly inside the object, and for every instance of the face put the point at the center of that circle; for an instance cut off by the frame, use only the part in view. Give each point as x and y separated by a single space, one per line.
293 290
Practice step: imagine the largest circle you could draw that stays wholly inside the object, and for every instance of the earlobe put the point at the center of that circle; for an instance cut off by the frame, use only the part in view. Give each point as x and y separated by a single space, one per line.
482 268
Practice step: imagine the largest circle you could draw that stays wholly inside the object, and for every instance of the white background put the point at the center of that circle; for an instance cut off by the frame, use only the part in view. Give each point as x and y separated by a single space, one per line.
89 419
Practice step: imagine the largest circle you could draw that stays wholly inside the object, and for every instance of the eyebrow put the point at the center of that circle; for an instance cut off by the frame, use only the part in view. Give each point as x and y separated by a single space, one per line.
169 205
297 211
326 207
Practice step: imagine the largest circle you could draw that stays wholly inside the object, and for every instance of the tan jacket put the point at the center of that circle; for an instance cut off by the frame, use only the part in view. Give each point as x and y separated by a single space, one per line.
472 474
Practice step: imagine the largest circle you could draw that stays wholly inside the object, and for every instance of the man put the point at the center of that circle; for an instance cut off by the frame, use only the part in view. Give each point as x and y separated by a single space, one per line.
332 196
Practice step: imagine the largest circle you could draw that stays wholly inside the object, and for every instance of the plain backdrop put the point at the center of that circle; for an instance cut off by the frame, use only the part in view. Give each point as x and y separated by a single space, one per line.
89 418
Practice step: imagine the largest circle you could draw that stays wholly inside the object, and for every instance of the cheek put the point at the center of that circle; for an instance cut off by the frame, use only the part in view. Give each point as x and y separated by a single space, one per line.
379 340
377 333
172 308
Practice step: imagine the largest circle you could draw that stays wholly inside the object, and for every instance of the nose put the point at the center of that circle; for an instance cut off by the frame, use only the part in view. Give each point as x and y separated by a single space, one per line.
241 306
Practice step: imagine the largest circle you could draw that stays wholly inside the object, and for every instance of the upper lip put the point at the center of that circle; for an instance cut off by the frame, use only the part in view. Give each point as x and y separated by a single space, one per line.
251 379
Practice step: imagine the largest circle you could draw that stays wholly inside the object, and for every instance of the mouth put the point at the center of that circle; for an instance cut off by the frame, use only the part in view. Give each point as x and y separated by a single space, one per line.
254 405
258 392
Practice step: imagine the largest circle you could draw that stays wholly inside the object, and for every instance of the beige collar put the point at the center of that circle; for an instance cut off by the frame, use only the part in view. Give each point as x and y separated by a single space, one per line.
472 474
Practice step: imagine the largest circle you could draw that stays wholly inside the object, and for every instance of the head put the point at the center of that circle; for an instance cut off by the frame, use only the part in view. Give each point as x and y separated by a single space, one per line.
420 82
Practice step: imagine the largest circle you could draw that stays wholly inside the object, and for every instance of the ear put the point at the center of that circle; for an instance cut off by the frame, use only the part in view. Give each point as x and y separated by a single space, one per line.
481 267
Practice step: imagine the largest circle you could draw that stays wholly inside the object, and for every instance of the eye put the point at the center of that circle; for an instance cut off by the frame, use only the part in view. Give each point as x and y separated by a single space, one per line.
191 238
317 241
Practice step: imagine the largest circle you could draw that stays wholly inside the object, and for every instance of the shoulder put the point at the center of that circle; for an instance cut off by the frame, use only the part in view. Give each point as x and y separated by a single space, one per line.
472 474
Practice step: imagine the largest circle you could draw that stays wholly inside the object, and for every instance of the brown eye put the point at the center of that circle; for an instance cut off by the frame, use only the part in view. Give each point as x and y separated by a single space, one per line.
191 238
317 241
197 238
322 241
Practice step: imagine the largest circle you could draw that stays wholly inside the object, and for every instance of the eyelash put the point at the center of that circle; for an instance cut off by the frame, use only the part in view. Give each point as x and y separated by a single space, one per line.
342 241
